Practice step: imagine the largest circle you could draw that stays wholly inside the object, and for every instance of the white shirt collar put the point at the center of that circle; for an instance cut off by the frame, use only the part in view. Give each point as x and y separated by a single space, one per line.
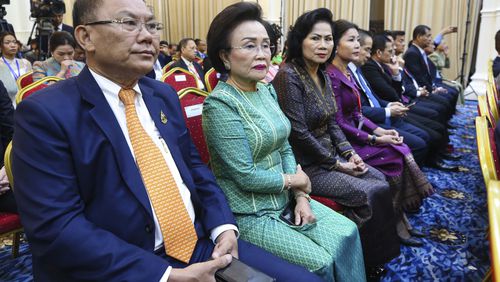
352 66
186 61
109 87
422 51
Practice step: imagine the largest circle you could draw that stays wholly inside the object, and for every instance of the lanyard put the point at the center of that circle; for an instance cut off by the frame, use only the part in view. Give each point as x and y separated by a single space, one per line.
16 76
361 119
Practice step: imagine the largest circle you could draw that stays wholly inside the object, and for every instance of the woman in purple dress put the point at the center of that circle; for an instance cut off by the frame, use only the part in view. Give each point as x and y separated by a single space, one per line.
378 147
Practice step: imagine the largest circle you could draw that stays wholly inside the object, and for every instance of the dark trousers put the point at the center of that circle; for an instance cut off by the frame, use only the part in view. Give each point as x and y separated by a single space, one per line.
8 203
254 257
439 104
428 112
451 96
413 136
436 131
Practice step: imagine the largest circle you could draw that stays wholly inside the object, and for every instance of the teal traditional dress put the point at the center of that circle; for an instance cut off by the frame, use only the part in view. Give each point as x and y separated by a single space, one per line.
51 67
247 137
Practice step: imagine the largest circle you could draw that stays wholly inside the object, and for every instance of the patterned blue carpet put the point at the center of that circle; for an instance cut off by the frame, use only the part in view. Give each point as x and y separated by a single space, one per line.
455 218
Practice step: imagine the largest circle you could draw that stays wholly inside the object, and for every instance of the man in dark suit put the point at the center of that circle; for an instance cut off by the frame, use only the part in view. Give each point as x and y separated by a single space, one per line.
385 114
6 120
385 78
109 185
187 61
416 60
60 26
164 57
7 201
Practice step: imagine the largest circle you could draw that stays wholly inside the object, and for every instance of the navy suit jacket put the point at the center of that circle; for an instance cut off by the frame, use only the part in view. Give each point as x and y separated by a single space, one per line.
6 120
375 114
164 59
68 28
496 66
409 88
81 198
415 64
381 83
180 64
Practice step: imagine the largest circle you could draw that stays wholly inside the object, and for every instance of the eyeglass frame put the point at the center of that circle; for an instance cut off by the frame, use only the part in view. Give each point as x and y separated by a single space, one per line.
121 22
271 49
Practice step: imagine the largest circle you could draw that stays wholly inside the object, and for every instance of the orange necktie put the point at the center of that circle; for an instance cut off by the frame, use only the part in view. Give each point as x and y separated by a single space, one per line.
179 235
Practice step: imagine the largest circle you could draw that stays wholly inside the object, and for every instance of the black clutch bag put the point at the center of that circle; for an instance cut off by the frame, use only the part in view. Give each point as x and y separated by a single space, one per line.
237 271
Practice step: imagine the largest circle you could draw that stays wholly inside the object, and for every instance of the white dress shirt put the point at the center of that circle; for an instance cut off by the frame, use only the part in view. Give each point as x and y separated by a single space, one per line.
110 91
353 69
158 70
194 71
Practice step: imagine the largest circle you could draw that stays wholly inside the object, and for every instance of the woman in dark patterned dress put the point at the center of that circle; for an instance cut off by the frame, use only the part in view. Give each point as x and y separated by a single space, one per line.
320 146
378 147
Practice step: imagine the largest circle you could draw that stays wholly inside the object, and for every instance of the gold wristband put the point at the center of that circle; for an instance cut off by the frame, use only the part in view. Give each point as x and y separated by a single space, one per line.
303 195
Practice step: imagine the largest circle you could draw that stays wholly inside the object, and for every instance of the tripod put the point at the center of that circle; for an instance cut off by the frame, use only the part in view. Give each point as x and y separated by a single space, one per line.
464 56
44 30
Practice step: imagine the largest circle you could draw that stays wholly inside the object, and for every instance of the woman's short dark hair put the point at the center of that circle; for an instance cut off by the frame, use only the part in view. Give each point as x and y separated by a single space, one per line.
341 27
302 27
4 34
274 35
60 38
221 28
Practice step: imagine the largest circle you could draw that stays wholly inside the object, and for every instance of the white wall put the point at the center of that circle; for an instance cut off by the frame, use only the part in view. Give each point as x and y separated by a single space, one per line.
490 23
18 13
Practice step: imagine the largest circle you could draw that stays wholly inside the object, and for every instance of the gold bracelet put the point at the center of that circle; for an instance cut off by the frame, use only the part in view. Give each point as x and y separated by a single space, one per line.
303 195
289 186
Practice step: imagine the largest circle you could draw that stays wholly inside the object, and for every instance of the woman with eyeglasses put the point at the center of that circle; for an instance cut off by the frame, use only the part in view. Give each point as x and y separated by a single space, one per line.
11 68
247 137
378 147
334 167
61 64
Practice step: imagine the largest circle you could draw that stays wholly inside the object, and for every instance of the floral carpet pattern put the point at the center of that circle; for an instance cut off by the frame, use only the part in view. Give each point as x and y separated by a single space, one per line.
455 219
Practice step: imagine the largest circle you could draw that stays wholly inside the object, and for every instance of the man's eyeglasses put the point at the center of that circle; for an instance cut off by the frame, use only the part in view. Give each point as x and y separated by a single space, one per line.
266 48
133 25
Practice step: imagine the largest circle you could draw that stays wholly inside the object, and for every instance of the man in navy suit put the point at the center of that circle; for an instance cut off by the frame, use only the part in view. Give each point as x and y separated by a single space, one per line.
389 115
416 60
386 79
187 61
60 26
83 202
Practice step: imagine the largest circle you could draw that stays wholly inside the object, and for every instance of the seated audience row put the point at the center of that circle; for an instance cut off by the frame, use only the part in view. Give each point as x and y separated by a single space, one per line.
342 118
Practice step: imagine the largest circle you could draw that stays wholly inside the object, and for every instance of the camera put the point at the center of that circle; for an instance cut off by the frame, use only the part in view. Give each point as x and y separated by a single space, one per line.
47 8
2 8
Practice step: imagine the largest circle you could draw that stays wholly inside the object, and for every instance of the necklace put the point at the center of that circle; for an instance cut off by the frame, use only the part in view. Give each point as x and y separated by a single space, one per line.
14 74
231 81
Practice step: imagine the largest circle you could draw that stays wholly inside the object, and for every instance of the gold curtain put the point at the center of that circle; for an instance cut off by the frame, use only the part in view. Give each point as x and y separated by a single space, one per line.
186 18
406 14
68 17
357 11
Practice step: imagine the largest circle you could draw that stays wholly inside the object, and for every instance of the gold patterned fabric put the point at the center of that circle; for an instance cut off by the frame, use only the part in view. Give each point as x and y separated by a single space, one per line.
179 235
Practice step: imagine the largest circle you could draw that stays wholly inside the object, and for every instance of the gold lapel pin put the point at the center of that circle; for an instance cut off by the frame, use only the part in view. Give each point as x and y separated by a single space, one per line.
163 117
